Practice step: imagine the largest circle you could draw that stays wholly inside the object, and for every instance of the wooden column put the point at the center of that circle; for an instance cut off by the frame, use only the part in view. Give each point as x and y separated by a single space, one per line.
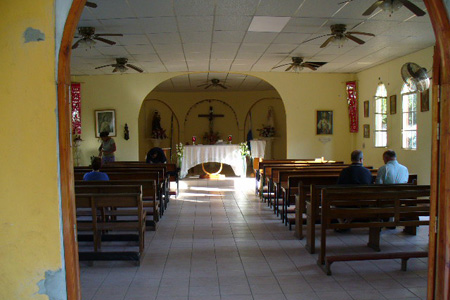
65 154
439 249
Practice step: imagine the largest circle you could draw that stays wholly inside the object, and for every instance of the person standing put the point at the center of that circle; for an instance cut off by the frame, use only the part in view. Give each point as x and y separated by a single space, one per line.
95 174
392 172
356 173
107 148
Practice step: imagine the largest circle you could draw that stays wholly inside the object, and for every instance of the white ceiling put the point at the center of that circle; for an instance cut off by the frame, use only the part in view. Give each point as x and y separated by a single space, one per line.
213 37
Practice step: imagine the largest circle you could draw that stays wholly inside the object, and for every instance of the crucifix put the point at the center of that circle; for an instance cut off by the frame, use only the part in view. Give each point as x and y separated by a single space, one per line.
210 117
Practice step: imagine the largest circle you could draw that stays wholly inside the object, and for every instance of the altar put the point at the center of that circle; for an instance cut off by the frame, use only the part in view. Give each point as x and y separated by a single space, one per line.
227 154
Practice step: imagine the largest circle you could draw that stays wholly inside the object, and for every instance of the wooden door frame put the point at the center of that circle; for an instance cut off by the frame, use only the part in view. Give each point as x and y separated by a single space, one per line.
439 251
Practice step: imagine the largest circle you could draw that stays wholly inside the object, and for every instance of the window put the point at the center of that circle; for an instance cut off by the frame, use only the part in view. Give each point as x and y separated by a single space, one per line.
381 116
409 128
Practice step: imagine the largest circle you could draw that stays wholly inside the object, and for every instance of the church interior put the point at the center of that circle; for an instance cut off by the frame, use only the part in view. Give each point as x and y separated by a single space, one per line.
255 64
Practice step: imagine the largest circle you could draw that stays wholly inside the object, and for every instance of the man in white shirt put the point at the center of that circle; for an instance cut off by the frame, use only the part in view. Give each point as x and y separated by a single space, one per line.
392 172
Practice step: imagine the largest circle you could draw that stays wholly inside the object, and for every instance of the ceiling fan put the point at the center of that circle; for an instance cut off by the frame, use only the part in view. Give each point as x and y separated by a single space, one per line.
214 83
339 36
91 4
122 66
298 64
415 77
88 37
391 6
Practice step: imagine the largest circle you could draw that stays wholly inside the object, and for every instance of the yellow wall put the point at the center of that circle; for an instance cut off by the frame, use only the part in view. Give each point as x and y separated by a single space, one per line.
417 161
302 95
29 203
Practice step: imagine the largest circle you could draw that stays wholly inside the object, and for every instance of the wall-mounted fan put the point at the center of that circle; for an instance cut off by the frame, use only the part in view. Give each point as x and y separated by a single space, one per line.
415 77
298 64
391 6
88 37
91 4
214 83
122 66
339 36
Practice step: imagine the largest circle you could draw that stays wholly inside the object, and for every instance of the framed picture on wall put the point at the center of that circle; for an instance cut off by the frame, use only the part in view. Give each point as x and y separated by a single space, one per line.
393 104
425 101
366 109
366 131
105 120
324 122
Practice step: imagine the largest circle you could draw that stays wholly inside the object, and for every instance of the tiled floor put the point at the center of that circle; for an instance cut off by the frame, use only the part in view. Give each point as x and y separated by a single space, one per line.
217 241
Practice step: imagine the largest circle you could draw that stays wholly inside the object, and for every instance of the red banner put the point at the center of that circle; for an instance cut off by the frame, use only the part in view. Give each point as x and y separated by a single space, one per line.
352 101
75 91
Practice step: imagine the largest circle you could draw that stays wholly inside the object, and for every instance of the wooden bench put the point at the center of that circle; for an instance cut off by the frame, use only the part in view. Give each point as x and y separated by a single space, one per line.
368 206
149 195
404 256
309 198
107 207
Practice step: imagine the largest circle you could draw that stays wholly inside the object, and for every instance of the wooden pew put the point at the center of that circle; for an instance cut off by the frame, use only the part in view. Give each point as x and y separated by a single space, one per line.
149 195
367 206
104 221
127 174
309 198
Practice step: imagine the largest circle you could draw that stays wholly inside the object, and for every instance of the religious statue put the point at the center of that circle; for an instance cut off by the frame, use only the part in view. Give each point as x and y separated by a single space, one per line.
268 129
157 131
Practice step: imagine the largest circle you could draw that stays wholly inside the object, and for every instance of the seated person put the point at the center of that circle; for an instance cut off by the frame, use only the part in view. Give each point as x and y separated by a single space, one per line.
156 156
356 173
392 172
95 174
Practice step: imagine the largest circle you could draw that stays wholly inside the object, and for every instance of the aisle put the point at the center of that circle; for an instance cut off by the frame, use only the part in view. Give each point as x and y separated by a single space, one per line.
217 241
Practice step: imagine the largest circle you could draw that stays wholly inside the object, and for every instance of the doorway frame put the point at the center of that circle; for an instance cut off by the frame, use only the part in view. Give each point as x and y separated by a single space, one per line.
439 246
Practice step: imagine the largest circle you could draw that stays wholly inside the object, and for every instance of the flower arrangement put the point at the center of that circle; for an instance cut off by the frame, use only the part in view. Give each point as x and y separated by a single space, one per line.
159 134
211 137
179 148
266 131
243 148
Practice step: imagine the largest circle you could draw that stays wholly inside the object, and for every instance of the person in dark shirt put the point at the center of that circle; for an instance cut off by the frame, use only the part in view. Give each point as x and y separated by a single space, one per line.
356 173
156 156
95 174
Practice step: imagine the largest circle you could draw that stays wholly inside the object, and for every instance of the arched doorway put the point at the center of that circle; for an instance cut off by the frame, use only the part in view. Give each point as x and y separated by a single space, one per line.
438 261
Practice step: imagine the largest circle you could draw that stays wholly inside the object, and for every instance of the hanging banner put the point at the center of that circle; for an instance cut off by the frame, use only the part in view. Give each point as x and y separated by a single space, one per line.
75 92
352 101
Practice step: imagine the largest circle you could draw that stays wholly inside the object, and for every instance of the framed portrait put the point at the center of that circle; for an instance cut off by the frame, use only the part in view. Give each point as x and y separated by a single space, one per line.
366 109
393 104
105 120
425 101
366 131
324 122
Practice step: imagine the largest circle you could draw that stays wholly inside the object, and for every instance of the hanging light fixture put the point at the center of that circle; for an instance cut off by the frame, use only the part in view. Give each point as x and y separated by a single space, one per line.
339 40
391 6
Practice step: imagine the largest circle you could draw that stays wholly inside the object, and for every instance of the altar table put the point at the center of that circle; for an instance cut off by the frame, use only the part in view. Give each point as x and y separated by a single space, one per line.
228 154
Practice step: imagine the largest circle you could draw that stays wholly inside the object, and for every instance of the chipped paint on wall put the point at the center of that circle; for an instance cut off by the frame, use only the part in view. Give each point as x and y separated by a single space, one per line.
33 35
54 285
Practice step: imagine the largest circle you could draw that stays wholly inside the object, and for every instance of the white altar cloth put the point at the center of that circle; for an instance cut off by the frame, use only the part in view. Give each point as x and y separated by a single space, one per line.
228 154
258 148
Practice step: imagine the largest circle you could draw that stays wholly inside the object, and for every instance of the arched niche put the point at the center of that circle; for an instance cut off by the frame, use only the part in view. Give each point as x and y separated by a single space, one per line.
195 125
169 122
256 118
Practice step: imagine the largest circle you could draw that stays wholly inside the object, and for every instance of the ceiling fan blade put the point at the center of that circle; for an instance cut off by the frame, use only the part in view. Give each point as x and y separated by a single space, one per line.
76 44
372 8
309 66
208 86
135 68
222 86
316 64
104 40
91 4
108 34
354 38
115 70
327 42
363 33
280 66
289 68
105 66
412 7
317 37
